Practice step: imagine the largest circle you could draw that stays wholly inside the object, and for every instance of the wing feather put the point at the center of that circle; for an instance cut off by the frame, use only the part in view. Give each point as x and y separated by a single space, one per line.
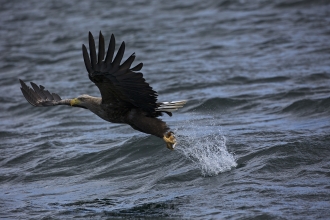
118 84
101 48
111 50
86 59
38 96
137 67
48 95
127 64
56 97
92 51
38 92
118 58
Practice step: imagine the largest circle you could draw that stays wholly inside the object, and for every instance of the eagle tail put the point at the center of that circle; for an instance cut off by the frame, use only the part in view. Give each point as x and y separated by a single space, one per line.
170 107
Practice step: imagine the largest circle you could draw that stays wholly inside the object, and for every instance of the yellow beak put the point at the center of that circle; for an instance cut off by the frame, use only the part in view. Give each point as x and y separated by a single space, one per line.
74 101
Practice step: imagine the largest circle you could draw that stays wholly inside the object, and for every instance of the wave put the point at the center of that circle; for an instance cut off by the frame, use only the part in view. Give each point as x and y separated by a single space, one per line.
317 77
218 104
288 154
299 3
245 80
114 208
306 107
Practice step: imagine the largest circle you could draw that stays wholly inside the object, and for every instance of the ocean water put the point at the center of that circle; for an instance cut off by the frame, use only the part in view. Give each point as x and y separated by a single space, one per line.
253 139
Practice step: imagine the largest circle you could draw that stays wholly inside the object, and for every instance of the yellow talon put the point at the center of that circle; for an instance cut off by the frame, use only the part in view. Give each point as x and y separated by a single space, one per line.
170 140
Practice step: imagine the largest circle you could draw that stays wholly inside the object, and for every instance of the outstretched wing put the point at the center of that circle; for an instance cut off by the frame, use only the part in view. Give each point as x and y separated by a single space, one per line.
38 96
118 83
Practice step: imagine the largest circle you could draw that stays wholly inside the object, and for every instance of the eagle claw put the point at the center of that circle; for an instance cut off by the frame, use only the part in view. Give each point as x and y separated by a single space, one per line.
170 140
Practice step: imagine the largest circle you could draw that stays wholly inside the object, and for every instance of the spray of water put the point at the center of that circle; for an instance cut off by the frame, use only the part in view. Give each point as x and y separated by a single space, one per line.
205 146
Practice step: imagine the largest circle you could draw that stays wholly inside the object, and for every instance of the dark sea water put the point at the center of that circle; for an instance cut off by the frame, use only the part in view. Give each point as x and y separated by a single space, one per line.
253 139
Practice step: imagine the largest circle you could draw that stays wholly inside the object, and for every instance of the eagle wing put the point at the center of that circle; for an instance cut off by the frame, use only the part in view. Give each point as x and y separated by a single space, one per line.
38 96
119 84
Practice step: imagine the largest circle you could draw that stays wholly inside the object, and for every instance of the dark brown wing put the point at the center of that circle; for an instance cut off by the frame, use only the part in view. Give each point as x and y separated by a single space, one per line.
38 96
118 83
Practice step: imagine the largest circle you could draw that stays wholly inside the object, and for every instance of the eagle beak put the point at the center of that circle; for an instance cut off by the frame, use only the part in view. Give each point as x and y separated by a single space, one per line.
170 140
74 101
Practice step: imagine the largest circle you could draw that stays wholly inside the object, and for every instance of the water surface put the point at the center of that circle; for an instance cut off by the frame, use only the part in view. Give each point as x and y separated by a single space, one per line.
253 138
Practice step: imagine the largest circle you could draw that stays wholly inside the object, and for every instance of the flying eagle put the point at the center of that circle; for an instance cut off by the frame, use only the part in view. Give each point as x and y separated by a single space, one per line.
125 95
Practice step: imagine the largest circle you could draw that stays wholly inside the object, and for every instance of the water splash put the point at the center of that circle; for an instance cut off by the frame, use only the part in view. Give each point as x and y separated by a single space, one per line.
206 147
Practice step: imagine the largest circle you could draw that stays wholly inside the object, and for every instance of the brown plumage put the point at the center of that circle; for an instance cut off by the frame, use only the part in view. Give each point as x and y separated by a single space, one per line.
125 95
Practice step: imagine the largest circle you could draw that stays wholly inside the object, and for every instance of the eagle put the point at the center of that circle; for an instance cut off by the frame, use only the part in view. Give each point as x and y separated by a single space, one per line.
125 95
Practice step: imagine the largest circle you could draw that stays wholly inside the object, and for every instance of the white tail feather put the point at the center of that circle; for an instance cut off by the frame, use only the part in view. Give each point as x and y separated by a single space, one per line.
171 106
